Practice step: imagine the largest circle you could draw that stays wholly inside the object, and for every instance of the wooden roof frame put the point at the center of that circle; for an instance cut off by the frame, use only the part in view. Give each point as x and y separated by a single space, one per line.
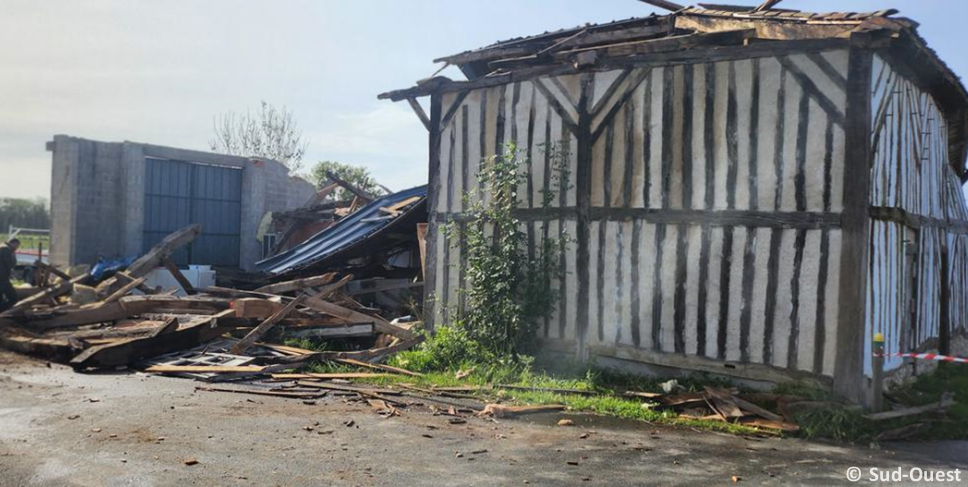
690 34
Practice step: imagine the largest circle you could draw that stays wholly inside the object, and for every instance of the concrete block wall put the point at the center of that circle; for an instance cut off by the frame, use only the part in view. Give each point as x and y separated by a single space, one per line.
97 196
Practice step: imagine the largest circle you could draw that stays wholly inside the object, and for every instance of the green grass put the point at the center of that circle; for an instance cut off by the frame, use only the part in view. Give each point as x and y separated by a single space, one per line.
848 424
603 381
836 421
30 241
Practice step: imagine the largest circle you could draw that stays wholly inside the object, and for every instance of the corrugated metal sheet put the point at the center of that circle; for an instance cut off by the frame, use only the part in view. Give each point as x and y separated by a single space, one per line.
342 236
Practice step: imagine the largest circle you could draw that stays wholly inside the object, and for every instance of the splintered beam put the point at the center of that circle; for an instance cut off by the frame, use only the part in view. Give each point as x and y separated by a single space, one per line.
768 4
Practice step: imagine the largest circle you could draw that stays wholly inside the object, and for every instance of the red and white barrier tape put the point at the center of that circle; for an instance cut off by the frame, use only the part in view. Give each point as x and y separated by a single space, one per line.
926 356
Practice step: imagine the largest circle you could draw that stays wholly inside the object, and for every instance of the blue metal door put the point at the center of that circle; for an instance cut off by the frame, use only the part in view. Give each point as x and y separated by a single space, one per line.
179 193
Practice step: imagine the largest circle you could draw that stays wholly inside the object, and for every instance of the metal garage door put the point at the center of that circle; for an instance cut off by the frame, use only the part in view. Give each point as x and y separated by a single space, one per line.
180 193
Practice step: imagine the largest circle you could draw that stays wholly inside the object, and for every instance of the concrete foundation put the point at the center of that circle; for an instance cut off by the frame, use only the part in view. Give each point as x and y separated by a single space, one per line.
98 197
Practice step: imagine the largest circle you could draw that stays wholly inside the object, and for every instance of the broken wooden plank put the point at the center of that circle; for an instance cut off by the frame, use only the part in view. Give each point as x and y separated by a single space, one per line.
125 307
60 289
53 270
260 330
153 258
297 284
124 352
20 341
548 389
170 325
296 395
723 402
329 289
684 398
770 424
753 408
380 394
388 368
394 210
328 376
359 193
256 308
330 330
502 410
645 395
370 354
205 369
943 404
124 278
123 291
346 388
285 349
381 325
177 274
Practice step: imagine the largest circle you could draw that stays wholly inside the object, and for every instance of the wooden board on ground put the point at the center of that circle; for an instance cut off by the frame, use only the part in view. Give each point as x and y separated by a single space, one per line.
388 368
264 327
124 352
204 369
125 307
327 376
297 284
296 395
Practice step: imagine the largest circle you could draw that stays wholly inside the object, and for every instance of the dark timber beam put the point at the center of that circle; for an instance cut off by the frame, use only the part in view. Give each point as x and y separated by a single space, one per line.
363 195
855 247
433 193
421 114
704 54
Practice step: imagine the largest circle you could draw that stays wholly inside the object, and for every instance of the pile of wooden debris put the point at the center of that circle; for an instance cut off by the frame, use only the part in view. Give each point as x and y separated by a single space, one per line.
713 403
211 332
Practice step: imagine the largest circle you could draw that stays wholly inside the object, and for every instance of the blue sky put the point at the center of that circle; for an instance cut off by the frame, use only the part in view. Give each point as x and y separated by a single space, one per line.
159 71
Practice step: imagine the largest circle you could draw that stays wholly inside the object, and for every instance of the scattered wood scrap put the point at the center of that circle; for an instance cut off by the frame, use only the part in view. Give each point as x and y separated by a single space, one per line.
946 402
154 257
726 405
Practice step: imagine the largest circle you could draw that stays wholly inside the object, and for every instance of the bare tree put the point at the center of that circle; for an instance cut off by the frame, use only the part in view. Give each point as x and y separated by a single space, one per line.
271 133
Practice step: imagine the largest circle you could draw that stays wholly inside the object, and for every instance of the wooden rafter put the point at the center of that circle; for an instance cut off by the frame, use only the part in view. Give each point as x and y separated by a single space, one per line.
768 4
359 193
670 6
421 114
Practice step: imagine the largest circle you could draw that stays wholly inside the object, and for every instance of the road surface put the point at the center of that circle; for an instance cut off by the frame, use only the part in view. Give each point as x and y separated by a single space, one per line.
59 428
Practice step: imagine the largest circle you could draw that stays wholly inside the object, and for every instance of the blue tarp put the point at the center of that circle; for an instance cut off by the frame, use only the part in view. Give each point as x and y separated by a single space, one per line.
103 267
345 233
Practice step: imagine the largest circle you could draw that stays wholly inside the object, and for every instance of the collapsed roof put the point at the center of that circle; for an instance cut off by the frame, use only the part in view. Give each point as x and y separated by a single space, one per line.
716 28
370 229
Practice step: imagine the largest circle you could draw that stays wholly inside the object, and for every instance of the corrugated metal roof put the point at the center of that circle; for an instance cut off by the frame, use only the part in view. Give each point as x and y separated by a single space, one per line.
344 234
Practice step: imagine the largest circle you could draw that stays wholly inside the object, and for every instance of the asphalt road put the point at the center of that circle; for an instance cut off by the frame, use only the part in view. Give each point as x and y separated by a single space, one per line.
59 428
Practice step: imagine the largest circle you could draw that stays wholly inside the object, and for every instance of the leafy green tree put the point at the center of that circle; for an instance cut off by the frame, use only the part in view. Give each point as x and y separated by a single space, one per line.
358 176
24 213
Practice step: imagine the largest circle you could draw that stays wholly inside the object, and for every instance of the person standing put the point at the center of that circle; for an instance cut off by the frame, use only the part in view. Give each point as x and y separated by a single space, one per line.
8 260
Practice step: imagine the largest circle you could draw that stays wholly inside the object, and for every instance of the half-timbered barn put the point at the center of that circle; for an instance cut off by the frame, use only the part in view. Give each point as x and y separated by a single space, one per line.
756 192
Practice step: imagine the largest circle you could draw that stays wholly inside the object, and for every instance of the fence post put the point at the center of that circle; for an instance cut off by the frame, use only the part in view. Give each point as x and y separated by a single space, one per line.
877 375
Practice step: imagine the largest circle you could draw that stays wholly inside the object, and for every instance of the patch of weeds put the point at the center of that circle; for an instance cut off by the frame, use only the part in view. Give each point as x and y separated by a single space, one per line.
847 423
308 344
841 423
